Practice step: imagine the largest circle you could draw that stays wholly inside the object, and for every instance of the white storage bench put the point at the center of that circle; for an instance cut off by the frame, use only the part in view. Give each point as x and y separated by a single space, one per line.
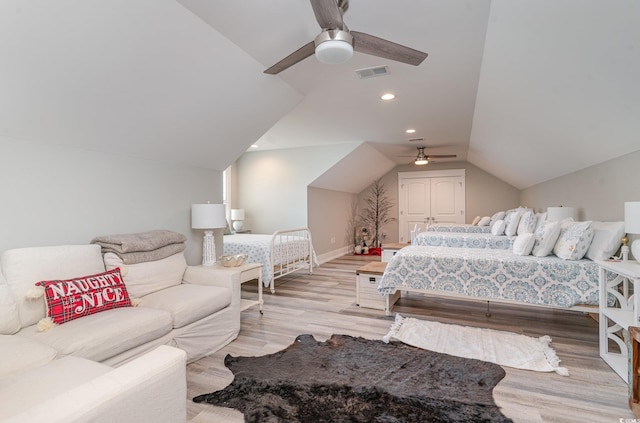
367 280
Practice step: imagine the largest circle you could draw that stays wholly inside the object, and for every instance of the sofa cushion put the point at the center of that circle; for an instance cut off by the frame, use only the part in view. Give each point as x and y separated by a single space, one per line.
104 335
23 267
188 303
147 277
18 354
20 391
82 296
9 313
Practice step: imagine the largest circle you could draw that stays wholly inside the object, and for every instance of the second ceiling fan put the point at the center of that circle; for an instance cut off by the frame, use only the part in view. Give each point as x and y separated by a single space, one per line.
423 159
336 43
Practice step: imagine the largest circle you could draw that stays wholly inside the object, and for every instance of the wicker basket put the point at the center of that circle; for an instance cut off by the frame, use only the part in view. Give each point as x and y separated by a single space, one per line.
234 260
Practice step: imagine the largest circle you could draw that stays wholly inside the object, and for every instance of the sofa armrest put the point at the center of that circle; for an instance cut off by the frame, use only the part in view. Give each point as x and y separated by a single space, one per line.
201 275
151 388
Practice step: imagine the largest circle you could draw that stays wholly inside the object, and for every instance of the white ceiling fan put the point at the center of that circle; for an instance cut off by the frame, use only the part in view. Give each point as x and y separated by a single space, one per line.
423 159
336 43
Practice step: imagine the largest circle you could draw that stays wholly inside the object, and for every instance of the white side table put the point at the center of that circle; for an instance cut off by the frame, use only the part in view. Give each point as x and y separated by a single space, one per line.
616 319
248 272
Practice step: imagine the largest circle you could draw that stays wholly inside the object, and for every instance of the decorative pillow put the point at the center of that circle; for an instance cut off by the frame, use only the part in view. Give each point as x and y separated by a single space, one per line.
498 228
527 223
514 220
606 239
475 221
497 216
540 221
574 240
546 239
484 221
74 298
523 244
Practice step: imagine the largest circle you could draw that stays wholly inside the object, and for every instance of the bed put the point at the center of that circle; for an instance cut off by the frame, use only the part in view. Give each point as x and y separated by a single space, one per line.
493 275
464 240
280 253
463 228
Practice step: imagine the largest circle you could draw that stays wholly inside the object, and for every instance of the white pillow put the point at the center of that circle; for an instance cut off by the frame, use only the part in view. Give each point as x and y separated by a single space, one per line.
475 221
527 223
497 216
546 239
606 239
147 277
484 221
514 221
523 244
498 228
574 240
540 221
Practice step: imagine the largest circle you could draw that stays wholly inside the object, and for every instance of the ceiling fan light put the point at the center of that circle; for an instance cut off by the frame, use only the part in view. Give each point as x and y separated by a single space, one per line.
421 161
334 52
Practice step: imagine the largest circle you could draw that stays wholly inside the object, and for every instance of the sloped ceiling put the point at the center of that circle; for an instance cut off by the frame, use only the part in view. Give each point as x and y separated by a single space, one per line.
144 78
527 91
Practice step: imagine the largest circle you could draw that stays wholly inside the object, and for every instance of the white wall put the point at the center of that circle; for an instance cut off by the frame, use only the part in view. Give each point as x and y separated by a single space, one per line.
60 195
328 221
597 192
272 184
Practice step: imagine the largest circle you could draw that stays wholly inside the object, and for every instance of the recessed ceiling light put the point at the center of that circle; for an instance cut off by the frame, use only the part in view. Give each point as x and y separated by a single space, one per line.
388 96
410 131
254 145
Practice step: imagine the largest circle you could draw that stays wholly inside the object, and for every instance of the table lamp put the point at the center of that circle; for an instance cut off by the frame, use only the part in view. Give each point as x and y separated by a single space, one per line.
237 216
632 225
557 214
208 217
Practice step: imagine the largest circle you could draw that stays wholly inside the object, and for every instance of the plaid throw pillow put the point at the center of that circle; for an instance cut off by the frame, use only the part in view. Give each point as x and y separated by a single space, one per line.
74 298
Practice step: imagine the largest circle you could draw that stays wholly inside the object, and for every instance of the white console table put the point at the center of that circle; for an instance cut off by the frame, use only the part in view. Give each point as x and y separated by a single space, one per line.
619 279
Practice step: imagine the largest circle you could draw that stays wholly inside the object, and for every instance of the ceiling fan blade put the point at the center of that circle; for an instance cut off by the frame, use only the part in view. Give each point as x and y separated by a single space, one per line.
295 57
368 44
441 156
328 14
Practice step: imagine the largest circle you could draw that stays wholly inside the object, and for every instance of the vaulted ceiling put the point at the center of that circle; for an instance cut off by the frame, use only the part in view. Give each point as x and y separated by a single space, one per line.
527 90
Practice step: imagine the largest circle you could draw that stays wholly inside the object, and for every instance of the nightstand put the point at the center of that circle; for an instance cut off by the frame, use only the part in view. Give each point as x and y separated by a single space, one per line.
248 272
620 279
244 231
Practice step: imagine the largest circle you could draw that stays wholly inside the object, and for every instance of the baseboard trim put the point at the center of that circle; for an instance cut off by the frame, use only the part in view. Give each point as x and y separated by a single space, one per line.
323 258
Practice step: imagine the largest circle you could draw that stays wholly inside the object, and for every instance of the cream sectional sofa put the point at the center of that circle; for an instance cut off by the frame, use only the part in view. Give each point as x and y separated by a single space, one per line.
181 308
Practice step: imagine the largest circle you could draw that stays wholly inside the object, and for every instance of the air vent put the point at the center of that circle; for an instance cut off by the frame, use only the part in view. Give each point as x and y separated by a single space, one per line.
371 72
416 139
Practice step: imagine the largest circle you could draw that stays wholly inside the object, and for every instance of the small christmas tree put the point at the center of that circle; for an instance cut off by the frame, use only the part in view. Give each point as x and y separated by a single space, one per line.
377 211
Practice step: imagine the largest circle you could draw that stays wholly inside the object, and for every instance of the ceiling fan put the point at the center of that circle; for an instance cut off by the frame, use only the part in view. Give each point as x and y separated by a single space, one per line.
423 159
336 43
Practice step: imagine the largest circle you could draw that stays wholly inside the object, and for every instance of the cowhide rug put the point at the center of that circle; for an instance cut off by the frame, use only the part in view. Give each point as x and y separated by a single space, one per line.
347 379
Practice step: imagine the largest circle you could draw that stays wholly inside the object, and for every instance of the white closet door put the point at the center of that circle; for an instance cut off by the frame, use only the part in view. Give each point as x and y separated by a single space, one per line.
429 197
447 200
415 195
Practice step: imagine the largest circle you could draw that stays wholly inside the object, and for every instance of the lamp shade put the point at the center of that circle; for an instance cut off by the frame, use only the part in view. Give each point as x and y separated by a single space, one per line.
237 214
632 217
208 216
556 214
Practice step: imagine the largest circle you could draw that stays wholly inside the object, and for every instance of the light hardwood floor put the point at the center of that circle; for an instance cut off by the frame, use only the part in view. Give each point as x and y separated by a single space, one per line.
323 304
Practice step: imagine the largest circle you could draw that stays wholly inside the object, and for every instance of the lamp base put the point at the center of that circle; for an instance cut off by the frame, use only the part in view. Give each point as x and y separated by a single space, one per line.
635 249
237 225
208 249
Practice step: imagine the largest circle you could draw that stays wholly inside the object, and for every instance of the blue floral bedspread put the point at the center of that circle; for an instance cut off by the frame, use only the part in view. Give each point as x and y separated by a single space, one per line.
451 227
258 249
464 240
498 274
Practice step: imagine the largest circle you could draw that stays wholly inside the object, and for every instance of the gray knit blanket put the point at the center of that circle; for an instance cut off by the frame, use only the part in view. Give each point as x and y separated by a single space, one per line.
142 247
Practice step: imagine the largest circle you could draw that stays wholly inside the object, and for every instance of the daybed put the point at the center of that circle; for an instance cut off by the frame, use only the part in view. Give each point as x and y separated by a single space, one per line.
464 240
564 279
280 253
69 315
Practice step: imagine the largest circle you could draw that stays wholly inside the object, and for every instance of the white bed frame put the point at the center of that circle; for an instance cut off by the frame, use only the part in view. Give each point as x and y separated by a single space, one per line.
434 293
291 263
